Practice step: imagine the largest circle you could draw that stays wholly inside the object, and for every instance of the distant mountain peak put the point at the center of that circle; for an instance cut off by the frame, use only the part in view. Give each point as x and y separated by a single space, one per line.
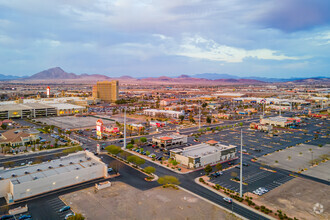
184 76
54 73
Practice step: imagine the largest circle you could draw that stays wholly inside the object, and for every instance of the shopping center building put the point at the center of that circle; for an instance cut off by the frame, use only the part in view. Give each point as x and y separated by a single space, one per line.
26 181
201 155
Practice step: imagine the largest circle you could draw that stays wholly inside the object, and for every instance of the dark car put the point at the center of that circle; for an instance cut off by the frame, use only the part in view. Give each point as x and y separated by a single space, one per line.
6 217
245 164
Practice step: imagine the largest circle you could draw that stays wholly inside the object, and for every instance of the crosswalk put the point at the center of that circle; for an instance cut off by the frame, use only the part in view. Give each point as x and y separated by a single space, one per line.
56 204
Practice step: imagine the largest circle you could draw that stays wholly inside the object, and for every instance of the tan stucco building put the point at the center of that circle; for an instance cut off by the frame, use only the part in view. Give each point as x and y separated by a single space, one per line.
106 90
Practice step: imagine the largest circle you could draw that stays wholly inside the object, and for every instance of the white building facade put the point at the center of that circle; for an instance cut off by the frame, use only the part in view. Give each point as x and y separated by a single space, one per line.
26 181
203 154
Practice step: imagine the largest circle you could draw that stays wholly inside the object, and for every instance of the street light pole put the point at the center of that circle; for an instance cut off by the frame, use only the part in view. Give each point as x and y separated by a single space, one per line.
125 127
241 169
199 116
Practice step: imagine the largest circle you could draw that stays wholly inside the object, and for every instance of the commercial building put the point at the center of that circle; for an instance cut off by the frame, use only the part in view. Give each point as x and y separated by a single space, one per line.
106 90
162 113
166 102
34 110
26 181
170 141
29 110
201 155
280 121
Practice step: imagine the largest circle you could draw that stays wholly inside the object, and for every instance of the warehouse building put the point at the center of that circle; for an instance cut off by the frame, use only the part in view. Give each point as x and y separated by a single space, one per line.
163 113
26 181
201 155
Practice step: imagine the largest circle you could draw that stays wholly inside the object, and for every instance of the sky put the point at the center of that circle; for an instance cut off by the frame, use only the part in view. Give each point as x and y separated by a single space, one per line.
149 38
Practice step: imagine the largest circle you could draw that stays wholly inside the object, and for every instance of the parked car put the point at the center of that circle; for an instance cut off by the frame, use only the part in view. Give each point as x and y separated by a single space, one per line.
110 170
6 217
25 217
64 208
69 215
245 164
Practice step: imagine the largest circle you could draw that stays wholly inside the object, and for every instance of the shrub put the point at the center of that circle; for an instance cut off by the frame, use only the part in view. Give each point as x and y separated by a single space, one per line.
149 169
113 149
164 180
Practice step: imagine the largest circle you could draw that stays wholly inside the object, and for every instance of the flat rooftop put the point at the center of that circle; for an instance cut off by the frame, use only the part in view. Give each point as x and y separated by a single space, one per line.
202 149
69 163
171 136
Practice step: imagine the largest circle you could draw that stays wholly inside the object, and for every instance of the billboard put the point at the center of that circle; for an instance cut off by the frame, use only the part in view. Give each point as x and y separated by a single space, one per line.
99 127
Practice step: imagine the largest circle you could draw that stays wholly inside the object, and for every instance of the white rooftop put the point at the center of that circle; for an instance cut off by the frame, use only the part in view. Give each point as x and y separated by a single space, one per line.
202 149
68 163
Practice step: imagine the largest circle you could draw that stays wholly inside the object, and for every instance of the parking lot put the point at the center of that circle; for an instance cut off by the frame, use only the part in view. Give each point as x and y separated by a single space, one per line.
255 145
253 176
72 122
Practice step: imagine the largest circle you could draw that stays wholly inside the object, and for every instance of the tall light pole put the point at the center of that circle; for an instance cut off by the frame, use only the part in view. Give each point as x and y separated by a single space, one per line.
125 127
241 168
199 115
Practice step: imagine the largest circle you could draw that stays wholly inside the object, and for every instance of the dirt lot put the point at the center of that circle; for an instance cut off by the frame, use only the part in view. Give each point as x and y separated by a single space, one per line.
122 201
298 197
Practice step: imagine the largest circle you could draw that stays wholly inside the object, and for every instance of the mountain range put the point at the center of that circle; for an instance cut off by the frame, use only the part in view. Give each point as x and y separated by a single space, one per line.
57 74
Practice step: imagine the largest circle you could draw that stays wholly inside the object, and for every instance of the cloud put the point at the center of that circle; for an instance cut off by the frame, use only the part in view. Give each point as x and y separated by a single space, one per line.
201 48
295 15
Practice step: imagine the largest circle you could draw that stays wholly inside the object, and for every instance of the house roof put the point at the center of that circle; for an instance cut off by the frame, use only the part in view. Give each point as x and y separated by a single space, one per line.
166 138
14 135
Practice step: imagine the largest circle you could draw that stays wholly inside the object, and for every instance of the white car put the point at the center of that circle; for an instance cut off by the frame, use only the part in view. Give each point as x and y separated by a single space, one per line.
227 199
69 215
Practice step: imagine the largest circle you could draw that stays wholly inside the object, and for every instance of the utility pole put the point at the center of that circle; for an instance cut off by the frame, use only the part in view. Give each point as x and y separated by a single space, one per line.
125 127
241 168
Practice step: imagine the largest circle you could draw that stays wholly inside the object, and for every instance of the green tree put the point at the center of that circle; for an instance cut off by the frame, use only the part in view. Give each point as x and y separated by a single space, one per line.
149 169
181 117
143 139
204 105
4 126
209 119
113 149
52 128
129 146
77 216
136 160
147 153
218 166
168 180
208 169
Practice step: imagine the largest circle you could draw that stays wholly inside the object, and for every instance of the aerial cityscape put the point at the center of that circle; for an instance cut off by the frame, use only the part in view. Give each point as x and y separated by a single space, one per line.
164 110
